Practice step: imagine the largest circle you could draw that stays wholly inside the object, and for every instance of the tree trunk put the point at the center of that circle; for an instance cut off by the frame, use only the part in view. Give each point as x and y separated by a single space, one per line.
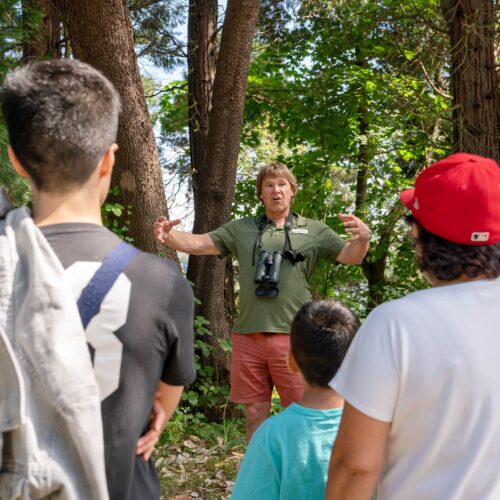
202 26
42 30
101 35
215 175
364 154
474 78
373 267
202 32
202 29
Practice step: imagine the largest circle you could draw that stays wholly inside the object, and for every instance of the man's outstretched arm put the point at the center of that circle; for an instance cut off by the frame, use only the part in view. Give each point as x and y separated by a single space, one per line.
166 400
194 244
357 456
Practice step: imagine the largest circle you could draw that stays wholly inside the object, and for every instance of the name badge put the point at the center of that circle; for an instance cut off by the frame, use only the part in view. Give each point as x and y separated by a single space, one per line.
299 230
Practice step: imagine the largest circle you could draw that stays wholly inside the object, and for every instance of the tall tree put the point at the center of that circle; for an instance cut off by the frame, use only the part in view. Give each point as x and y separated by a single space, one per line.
474 76
215 151
101 35
202 31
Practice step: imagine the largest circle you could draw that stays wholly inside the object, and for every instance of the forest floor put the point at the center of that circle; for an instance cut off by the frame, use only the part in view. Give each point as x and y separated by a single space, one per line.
201 465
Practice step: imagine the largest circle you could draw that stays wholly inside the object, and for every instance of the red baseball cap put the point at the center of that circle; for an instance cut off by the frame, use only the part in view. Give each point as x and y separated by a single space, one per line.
458 199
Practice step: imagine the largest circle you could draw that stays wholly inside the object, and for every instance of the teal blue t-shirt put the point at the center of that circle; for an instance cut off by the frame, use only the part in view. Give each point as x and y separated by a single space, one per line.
288 456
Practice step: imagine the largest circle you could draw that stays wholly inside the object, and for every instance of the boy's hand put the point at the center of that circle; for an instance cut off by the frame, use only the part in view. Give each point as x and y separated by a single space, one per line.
146 443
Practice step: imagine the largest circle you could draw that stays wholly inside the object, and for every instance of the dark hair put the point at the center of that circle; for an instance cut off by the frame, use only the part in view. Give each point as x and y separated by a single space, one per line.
448 261
61 117
320 335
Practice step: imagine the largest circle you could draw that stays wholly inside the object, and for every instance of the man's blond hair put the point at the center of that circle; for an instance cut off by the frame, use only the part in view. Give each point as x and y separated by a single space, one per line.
275 169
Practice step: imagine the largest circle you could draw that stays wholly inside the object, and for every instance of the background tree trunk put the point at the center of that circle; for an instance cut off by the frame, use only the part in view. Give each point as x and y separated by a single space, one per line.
202 26
474 77
202 29
42 30
101 35
214 181
202 59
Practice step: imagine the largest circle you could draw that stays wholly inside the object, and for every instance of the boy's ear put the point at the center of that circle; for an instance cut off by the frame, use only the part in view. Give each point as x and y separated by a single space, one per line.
15 162
291 363
107 161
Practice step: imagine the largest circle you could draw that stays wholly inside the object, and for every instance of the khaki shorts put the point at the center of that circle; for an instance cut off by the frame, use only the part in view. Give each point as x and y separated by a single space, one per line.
258 363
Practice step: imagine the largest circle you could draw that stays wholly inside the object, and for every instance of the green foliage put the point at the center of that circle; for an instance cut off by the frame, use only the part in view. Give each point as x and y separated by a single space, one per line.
12 33
11 29
206 399
116 217
17 187
342 89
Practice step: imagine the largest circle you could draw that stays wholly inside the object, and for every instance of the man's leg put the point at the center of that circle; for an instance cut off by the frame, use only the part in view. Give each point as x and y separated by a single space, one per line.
288 384
251 382
256 413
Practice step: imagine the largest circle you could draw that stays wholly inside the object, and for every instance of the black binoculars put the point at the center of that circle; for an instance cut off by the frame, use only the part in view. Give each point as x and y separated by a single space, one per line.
294 257
268 274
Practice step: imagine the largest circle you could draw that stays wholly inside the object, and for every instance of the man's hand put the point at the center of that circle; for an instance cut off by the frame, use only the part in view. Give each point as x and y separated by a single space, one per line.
356 246
145 444
162 228
193 244
356 228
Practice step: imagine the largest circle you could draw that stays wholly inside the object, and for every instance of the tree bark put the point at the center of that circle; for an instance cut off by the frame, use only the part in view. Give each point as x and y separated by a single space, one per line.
42 30
101 35
202 26
474 77
202 29
214 176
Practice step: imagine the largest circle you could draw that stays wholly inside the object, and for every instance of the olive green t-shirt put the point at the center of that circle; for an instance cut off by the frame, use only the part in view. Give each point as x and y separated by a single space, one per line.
265 314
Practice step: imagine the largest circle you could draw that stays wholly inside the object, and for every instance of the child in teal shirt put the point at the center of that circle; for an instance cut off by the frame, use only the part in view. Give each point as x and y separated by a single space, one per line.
288 455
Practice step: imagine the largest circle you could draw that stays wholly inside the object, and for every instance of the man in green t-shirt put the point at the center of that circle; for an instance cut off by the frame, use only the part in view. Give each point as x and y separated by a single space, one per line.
277 254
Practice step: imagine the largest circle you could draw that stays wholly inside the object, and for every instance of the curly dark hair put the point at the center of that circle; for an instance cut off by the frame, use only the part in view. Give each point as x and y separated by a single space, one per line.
448 261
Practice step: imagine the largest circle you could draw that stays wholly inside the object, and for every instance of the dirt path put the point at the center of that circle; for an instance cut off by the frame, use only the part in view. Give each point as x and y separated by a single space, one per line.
196 469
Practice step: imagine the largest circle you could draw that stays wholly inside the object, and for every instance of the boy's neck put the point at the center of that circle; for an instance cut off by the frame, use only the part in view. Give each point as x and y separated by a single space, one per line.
50 208
320 398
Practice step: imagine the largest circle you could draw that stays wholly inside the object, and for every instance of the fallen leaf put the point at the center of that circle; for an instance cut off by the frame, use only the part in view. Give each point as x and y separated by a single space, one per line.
189 444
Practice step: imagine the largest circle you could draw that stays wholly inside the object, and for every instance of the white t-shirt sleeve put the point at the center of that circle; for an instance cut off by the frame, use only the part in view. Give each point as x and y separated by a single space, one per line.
369 377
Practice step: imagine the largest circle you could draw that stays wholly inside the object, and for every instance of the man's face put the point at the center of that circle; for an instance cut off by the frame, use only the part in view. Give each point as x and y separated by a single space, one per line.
276 194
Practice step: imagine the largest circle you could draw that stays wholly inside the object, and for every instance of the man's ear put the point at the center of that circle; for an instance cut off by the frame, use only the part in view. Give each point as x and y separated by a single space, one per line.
107 161
415 230
15 162
291 363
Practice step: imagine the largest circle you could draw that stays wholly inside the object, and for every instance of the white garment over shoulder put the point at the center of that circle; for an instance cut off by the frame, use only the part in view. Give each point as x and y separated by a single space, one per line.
430 364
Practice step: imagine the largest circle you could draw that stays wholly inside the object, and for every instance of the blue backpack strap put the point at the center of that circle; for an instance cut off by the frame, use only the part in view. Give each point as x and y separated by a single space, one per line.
93 294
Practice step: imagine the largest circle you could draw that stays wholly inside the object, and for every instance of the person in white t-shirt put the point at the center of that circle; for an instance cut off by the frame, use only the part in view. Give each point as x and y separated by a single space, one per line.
421 379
